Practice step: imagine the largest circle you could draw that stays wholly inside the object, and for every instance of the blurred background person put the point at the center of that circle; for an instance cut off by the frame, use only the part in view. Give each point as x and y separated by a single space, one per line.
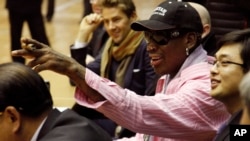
245 95
29 11
86 4
86 48
208 36
226 15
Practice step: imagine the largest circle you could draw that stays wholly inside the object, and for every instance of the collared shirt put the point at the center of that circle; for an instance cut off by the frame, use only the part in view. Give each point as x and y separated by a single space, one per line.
79 45
34 138
183 111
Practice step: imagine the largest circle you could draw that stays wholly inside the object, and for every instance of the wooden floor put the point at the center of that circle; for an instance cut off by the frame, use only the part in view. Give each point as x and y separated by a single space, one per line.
61 32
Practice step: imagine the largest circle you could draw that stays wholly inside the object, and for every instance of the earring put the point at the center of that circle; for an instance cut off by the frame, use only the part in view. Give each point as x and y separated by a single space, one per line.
187 51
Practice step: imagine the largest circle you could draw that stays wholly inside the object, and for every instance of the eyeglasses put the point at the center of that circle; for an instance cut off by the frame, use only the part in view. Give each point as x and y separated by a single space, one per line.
160 37
226 63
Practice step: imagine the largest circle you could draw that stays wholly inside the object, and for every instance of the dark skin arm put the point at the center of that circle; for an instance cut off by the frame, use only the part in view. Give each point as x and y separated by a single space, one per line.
45 58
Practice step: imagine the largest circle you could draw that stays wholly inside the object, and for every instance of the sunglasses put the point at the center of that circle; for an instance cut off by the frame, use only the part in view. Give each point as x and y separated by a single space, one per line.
160 37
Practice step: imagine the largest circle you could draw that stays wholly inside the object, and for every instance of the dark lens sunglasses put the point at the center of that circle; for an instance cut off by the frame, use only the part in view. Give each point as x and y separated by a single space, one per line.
160 37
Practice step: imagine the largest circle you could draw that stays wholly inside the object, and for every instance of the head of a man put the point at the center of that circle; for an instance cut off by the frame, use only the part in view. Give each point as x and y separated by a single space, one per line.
96 6
232 61
173 31
205 18
117 17
25 101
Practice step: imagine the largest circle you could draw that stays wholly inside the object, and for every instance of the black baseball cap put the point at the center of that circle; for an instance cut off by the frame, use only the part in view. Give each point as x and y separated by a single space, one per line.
169 15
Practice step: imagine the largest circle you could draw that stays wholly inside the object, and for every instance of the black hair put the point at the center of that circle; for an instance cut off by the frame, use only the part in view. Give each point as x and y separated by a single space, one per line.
24 89
242 37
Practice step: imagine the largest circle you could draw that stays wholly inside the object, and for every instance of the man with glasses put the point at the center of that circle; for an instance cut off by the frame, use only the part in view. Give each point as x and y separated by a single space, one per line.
181 109
231 64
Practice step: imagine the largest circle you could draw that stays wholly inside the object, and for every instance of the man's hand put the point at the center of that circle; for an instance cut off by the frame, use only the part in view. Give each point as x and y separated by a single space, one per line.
88 25
45 58
91 22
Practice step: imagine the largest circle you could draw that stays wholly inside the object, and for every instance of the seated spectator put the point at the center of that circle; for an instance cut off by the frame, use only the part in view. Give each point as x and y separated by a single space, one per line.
208 36
181 109
89 44
91 37
27 113
231 64
124 58
245 95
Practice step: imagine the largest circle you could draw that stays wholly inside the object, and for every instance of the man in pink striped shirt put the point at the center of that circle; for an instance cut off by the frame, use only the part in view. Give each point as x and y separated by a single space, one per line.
181 110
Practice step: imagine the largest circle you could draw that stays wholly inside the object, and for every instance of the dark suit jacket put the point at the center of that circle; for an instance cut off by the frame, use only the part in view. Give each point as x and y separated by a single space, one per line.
95 46
69 126
99 38
140 76
224 131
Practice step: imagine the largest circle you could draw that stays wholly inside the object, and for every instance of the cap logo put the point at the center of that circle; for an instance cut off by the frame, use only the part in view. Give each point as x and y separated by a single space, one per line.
160 11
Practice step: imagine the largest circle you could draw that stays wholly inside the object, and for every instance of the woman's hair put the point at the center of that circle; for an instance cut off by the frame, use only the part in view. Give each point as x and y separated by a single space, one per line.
24 89
127 6
242 37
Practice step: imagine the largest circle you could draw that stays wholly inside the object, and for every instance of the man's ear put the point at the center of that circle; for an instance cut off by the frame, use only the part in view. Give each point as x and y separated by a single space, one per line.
192 38
206 30
13 118
133 16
